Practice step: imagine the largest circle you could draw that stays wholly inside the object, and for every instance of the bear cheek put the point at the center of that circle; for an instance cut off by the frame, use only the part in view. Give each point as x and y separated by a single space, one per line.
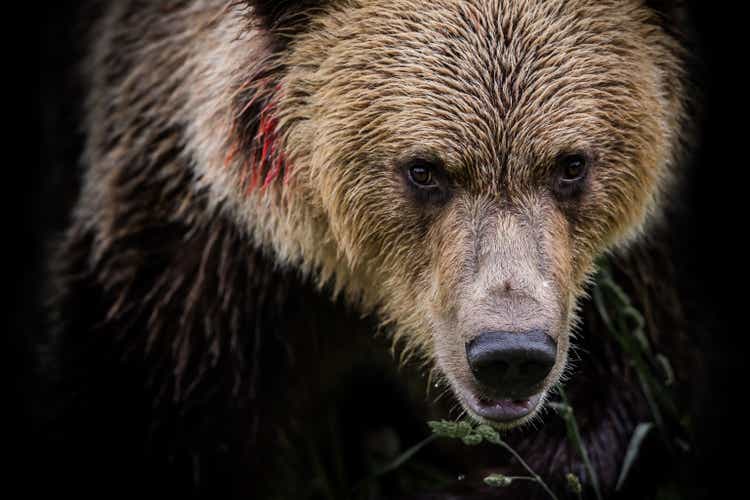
613 211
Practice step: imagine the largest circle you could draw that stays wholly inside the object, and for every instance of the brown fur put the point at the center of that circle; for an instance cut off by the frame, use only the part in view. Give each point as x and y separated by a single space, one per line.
496 90
282 133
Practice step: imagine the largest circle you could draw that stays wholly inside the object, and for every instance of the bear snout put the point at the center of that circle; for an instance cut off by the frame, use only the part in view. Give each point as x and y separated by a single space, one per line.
511 364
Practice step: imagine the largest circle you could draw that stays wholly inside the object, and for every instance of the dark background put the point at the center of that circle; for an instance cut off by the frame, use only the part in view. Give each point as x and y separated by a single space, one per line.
710 232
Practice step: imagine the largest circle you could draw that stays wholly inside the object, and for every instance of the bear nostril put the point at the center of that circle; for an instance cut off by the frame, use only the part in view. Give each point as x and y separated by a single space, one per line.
511 364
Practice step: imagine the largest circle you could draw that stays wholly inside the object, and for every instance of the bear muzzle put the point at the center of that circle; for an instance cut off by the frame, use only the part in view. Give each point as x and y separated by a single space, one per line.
510 368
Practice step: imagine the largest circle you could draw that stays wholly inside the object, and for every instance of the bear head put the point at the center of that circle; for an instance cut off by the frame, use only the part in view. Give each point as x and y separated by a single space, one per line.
455 167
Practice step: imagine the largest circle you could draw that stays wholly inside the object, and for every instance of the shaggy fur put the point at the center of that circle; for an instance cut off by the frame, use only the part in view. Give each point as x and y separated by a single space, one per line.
244 162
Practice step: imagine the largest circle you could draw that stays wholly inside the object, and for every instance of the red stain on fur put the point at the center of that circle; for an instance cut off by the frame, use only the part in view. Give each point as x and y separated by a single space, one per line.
264 162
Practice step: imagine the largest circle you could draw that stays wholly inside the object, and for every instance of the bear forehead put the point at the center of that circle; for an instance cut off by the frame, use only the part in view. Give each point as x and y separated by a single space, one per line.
484 79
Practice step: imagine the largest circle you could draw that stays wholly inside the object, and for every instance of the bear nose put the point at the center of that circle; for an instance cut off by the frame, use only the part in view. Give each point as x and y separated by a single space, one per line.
511 364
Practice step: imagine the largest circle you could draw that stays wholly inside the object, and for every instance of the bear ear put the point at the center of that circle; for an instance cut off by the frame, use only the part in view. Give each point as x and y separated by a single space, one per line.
290 16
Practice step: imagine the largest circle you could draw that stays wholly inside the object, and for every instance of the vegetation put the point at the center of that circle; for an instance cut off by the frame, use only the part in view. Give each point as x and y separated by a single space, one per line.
627 326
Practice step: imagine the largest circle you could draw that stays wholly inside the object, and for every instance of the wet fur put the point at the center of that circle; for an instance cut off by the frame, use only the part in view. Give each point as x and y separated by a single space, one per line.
235 171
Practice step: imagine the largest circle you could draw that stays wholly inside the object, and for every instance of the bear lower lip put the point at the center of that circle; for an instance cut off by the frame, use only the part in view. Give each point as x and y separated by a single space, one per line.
505 410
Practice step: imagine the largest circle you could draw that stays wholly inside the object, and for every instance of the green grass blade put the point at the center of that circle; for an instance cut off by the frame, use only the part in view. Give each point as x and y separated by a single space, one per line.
634 447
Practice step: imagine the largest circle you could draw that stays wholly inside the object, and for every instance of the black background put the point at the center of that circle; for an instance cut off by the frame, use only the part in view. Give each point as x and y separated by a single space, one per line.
711 233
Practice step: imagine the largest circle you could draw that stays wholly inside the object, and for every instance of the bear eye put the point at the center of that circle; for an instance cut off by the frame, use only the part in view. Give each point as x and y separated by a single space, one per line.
422 174
573 167
426 178
570 173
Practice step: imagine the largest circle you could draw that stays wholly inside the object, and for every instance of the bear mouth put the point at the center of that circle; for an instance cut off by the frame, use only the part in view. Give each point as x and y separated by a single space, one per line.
508 412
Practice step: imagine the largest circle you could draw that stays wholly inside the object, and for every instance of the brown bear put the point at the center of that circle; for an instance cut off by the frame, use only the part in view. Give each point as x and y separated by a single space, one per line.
267 185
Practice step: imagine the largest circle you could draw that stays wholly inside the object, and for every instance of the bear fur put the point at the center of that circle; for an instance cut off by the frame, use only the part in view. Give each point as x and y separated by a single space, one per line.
245 235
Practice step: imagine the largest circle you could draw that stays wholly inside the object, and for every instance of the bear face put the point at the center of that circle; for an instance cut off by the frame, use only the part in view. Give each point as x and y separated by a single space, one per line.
457 167
452 169
470 160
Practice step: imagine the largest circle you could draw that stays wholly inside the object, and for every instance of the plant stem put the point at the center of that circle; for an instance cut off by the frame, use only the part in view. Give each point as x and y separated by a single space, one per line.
575 435
523 478
398 461
531 472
